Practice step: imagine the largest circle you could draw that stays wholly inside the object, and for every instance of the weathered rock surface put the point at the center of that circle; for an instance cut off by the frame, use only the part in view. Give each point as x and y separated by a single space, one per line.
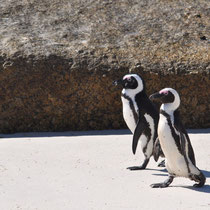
59 58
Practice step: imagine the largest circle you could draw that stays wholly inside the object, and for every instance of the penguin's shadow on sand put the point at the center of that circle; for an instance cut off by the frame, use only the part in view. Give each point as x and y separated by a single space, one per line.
204 189
163 170
206 173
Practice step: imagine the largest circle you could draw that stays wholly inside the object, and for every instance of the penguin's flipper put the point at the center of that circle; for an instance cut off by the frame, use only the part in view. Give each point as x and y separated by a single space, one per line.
137 133
191 154
184 138
186 146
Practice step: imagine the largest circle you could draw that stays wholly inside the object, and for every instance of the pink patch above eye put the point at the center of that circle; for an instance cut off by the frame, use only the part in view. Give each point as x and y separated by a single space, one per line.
165 92
127 77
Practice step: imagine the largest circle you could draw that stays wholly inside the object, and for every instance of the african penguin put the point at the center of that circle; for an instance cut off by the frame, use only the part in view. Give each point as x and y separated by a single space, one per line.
174 141
140 115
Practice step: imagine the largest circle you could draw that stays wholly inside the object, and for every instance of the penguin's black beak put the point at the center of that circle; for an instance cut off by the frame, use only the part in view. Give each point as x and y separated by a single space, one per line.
155 97
118 82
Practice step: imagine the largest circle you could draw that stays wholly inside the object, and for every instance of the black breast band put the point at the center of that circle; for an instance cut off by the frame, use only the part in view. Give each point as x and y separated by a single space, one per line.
132 107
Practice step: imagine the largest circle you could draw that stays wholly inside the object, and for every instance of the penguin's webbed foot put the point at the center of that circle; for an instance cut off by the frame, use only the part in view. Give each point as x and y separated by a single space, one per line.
143 166
198 185
134 168
201 179
163 184
162 164
159 185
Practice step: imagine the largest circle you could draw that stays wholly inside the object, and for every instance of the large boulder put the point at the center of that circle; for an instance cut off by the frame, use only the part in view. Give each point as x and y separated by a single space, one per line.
59 58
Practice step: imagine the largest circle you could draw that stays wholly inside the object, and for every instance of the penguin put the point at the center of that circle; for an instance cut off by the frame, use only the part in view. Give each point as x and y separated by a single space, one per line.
140 115
174 141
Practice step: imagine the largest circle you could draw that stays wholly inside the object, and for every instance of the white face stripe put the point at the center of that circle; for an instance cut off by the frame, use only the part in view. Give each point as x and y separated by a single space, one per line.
140 87
170 107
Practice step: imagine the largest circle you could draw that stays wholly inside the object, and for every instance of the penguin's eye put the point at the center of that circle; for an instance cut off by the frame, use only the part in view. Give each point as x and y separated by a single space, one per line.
129 79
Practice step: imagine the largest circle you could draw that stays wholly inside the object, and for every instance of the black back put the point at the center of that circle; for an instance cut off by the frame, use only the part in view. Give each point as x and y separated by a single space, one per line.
145 107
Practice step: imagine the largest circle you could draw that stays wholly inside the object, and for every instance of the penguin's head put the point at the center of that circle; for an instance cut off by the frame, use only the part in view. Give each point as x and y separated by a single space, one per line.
132 83
168 97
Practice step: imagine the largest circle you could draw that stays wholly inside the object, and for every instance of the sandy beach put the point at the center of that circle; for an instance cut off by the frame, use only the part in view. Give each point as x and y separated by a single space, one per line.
87 171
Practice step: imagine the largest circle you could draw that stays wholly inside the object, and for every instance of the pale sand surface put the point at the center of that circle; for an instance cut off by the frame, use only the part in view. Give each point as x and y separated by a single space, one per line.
87 171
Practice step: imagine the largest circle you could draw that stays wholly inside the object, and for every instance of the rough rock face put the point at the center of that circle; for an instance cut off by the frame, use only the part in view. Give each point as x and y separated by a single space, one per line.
58 59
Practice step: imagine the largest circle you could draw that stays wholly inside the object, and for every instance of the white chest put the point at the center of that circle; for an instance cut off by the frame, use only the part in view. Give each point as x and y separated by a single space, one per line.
165 136
130 113
175 162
